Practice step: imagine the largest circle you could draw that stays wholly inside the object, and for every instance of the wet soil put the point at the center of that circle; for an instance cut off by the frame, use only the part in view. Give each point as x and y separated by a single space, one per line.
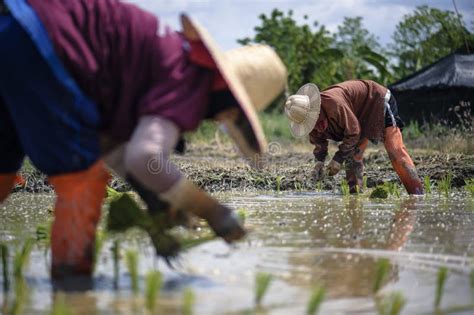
218 168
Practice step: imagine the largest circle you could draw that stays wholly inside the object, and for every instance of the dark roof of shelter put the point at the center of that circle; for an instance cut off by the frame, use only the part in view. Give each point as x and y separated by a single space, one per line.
455 70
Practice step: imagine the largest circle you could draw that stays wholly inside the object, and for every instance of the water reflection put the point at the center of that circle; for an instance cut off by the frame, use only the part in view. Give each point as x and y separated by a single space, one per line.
352 274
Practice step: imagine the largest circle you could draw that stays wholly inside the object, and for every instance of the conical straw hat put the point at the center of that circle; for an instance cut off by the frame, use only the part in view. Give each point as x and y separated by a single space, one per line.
255 75
302 110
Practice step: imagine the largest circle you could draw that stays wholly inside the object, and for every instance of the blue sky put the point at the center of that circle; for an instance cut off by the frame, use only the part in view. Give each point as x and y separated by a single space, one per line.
229 20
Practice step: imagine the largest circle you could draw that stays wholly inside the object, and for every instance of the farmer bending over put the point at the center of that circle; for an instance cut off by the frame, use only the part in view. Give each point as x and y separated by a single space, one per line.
352 112
80 79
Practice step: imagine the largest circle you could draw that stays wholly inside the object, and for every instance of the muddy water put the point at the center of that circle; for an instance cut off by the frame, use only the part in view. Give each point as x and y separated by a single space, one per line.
301 239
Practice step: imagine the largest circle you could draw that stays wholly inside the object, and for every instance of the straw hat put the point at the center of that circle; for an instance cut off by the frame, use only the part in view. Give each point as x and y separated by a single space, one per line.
255 76
302 110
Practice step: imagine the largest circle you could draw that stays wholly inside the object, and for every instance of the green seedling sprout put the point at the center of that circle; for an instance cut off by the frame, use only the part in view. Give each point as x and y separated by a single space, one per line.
43 232
383 266
364 182
469 186
262 283
116 259
278 180
380 192
99 243
131 258
319 186
444 184
393 189
427 184
392 304
6 279
189 298
315 300
60 307
22 257
21 294
345 187
242 214
441 280
154 283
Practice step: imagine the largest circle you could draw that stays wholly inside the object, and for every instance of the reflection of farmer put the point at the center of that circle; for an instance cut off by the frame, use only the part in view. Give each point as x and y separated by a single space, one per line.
347 266
352 112
79 78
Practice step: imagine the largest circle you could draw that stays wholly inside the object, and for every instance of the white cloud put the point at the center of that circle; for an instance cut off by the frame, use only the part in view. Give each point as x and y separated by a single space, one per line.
228 20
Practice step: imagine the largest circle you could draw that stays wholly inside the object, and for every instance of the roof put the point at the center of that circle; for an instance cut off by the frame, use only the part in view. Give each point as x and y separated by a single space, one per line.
455 70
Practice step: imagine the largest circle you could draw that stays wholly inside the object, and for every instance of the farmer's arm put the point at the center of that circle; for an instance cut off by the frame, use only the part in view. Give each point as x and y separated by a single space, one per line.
320 145
350 124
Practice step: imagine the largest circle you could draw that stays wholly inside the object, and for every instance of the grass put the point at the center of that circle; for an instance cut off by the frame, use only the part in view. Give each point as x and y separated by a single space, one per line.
22 257
469 186
391 304
189 299
427 184
383 266
345 187
131 258
242 214
364 182
315 300
154 283
444 184
319 186
6 279
262 283
440 282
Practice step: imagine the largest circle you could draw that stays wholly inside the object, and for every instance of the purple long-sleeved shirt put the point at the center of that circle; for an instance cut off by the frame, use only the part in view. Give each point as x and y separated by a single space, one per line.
127 62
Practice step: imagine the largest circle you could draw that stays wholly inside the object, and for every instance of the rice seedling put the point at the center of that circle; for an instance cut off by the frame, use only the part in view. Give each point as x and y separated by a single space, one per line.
315 300
444 184
393 189
154 283
262 283
298 186
116 259
6 279
189 298
131 258
43 232
100 237
380 192
441 280
60 307
469 187
391 304
427 184
21 295
319 186
364 182
278 180
242 214
22 257
345 187
383 266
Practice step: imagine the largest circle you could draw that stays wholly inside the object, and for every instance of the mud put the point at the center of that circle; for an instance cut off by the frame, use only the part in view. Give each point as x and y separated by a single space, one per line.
218 168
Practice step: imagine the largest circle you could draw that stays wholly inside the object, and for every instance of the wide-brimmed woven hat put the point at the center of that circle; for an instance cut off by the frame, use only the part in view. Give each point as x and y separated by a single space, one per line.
302 110
255 76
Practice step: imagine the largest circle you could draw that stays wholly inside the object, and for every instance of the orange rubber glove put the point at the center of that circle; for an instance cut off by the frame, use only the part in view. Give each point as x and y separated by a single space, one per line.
7 182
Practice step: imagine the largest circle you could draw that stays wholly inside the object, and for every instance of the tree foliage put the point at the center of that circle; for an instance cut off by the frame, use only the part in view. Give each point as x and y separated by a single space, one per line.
425 36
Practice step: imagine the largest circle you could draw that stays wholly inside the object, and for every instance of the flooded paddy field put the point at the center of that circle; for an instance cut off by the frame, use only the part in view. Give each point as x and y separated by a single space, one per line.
301 239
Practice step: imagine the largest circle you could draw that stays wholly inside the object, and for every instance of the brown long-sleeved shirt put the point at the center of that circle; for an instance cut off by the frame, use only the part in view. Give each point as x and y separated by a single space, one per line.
354 110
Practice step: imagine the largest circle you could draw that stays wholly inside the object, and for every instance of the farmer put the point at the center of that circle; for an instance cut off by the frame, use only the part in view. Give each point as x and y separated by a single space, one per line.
84 79
352 112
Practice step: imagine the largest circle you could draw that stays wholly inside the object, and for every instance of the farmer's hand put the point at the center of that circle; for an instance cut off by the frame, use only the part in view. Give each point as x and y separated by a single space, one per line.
318 171
333 168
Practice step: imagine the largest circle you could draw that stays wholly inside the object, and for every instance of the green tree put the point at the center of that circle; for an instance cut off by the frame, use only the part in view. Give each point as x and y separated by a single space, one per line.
308 55
363 56
425 36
